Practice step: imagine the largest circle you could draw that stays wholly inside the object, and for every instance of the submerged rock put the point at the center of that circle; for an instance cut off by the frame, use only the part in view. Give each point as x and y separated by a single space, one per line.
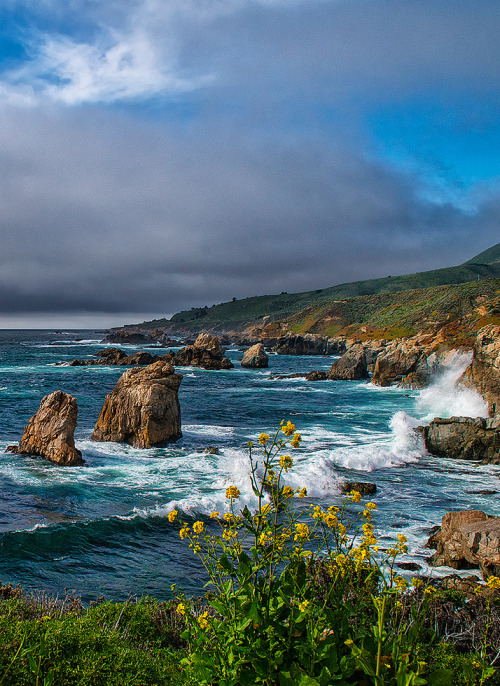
468 539
207 352
130 337
143 409
464 438
115 356
351 366
255 357
50 432
363 487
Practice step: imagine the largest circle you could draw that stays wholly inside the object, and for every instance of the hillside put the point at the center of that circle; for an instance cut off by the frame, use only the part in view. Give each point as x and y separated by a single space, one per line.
238 313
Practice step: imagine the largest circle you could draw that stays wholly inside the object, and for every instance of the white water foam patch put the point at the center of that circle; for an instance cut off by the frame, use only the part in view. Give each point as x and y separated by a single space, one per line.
444 398
402 446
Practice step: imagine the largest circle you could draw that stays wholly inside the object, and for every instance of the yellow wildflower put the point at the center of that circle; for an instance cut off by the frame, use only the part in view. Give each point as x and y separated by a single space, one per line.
355 496
198 527
214 515
416 582
288 428
303 605
286 462
302 531
493 582
371 506
295 442
402 538
400 583
287 491
317 512
331 521
203 620
232 493
184 532
172 515
181 609
302 492
263 438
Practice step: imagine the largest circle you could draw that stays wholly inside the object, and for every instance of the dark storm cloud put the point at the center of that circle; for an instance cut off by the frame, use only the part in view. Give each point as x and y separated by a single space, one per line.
263 179
111 218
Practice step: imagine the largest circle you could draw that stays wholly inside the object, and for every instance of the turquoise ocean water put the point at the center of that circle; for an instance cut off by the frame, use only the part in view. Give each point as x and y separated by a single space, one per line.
102 529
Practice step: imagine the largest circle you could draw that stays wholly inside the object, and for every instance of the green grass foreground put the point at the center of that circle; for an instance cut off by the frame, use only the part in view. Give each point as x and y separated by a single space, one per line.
48 642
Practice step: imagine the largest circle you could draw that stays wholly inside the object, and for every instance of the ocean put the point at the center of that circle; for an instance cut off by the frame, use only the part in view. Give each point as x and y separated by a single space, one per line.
102 529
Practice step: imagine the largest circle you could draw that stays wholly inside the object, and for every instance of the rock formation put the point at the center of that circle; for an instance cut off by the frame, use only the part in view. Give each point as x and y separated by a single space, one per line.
484 370
130 337
50 432
464 438
255 357
468 539
143 409
309 344
115 356
207 352
351 366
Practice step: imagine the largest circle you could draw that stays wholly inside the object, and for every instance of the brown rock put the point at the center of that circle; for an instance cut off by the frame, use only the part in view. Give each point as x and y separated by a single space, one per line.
363 487
143 409
316 375
207 352
484 370
255 357
50 432
351 366
468 539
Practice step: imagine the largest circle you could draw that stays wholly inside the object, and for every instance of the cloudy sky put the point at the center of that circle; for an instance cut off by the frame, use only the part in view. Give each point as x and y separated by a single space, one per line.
162 154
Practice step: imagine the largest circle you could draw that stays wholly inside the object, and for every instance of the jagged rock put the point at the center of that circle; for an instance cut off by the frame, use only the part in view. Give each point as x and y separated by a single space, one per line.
207 352
484 371
115 356
143 409
316 375
351 366
464 438
363 487
211 450
130 337
398 360
50 432
468 586
255 357
466 540
309 344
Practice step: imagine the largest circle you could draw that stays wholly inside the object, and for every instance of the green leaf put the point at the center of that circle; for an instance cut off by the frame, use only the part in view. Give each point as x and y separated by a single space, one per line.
441 677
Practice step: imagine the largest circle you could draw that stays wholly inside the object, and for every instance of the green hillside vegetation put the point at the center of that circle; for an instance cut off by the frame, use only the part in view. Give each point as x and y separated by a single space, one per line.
235 313
457 311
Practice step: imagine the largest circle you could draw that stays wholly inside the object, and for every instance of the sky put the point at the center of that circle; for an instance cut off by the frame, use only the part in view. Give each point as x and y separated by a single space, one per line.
157 155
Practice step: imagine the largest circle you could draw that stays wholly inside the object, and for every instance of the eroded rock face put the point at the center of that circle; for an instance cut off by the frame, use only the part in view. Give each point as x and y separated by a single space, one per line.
255 357
484 370
115 356
309 344
351 366
50 432
466 540
143 409
207 352
464 438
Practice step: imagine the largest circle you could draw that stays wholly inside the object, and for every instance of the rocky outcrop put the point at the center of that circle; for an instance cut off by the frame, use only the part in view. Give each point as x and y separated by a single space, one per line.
255 357
129 337
207 352
484 370
466 540
464 438
50 432
351 366
309 344
363 487
115 356
143 409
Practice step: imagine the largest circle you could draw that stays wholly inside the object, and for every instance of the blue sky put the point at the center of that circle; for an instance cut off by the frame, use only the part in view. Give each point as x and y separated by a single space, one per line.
163 154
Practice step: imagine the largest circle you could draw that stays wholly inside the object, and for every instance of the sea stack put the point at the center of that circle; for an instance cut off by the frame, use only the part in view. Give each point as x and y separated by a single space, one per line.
255 357
50 432
143 409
